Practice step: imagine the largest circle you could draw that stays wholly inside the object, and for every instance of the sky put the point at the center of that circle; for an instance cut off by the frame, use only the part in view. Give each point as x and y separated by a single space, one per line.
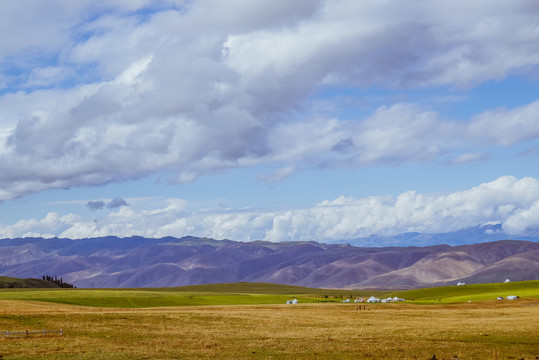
268 120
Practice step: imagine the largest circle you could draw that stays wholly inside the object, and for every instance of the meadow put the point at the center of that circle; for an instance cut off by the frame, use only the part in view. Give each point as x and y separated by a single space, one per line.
475 292
316 328
214 294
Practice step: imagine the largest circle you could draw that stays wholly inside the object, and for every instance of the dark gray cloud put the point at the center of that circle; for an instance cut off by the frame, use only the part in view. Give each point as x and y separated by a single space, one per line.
116 203
95 205
100 204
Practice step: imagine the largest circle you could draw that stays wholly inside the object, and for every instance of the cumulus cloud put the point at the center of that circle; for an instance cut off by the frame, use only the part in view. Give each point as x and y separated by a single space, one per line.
506 126
51 225
511 202
450 43
392 133
116 91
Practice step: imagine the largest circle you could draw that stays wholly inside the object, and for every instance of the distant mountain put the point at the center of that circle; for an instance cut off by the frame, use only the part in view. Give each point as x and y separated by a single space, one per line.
471 235
142 262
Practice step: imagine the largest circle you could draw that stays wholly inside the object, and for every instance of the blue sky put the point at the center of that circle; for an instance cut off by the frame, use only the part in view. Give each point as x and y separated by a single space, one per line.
307 120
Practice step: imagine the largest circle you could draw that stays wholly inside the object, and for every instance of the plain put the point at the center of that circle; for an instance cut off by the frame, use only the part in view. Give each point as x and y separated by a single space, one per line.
486 329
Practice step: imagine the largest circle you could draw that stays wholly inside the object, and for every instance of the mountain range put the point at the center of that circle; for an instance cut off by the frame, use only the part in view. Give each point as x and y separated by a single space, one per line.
465 236
141 262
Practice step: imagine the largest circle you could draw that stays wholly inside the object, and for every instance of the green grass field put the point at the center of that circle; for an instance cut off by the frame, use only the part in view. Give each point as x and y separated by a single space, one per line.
476 292
260 294
199 295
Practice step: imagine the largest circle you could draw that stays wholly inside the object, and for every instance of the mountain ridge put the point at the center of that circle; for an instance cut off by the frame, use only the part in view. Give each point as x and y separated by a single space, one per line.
143 262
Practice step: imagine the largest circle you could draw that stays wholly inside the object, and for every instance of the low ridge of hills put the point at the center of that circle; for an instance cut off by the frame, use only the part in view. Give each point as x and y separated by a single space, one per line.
141 262
15 283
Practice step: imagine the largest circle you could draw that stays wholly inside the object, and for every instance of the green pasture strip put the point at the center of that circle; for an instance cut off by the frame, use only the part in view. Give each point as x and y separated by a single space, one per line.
246 287
475 292
136 301
261 294
267 288
138 298
196 295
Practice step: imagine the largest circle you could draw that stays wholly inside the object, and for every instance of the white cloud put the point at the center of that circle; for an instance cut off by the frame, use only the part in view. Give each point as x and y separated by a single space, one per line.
524 221
506 126
400 133
442 43
278 174
191 88
512 202
296 141
47 227
48 76
468 158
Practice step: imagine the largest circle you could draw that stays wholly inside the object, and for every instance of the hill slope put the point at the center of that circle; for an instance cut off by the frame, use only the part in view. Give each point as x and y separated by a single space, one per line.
11 282
141 262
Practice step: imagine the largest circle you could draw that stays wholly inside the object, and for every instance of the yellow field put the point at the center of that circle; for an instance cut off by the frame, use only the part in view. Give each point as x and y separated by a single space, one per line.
487 330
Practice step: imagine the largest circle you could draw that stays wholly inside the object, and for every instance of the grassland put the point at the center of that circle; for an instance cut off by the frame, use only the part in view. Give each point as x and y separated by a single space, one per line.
476 292
136 329
200 295
303 331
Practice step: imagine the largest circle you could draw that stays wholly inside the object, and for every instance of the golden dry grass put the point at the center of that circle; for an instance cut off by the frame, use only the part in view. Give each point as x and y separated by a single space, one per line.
487 330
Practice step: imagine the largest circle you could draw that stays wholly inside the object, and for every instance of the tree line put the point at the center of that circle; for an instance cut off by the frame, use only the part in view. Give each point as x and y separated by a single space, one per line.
60 282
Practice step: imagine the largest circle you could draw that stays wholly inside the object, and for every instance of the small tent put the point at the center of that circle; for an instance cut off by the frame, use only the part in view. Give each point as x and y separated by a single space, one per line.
512 297
373 299
507 281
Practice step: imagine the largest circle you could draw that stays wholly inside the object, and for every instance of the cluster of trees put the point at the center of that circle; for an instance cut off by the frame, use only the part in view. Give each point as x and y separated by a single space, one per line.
60 282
